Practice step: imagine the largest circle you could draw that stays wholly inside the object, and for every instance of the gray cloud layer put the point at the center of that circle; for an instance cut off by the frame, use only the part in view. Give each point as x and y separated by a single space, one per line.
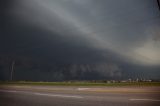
116 26
104 37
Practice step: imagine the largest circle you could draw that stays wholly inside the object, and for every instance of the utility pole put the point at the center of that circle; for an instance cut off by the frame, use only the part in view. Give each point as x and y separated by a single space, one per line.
12 70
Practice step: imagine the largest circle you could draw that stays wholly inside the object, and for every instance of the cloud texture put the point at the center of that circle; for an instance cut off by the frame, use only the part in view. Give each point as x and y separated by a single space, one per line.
92 36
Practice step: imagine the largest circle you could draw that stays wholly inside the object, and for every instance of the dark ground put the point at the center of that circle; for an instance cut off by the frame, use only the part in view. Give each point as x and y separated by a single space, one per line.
78 96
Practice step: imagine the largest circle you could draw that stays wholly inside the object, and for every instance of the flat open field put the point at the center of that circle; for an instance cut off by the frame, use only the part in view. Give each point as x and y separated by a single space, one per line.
36 94
82 83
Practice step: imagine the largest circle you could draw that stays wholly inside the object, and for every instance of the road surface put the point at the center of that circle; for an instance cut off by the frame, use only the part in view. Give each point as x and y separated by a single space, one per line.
79 96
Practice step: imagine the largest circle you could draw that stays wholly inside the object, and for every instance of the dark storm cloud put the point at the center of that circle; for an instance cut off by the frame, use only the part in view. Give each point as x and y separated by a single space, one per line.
116 27
35 42
75 39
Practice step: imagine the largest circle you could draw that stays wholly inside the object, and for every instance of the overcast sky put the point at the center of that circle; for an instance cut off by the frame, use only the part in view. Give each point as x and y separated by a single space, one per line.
113 38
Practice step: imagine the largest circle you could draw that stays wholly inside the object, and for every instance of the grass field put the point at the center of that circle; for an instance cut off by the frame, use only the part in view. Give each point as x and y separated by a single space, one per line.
78 83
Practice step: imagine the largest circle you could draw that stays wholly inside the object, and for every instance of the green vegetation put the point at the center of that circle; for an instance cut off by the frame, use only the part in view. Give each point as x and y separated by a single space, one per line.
79 83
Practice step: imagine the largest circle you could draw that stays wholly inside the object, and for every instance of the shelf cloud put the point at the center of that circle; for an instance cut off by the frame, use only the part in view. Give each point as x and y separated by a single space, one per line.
106 32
